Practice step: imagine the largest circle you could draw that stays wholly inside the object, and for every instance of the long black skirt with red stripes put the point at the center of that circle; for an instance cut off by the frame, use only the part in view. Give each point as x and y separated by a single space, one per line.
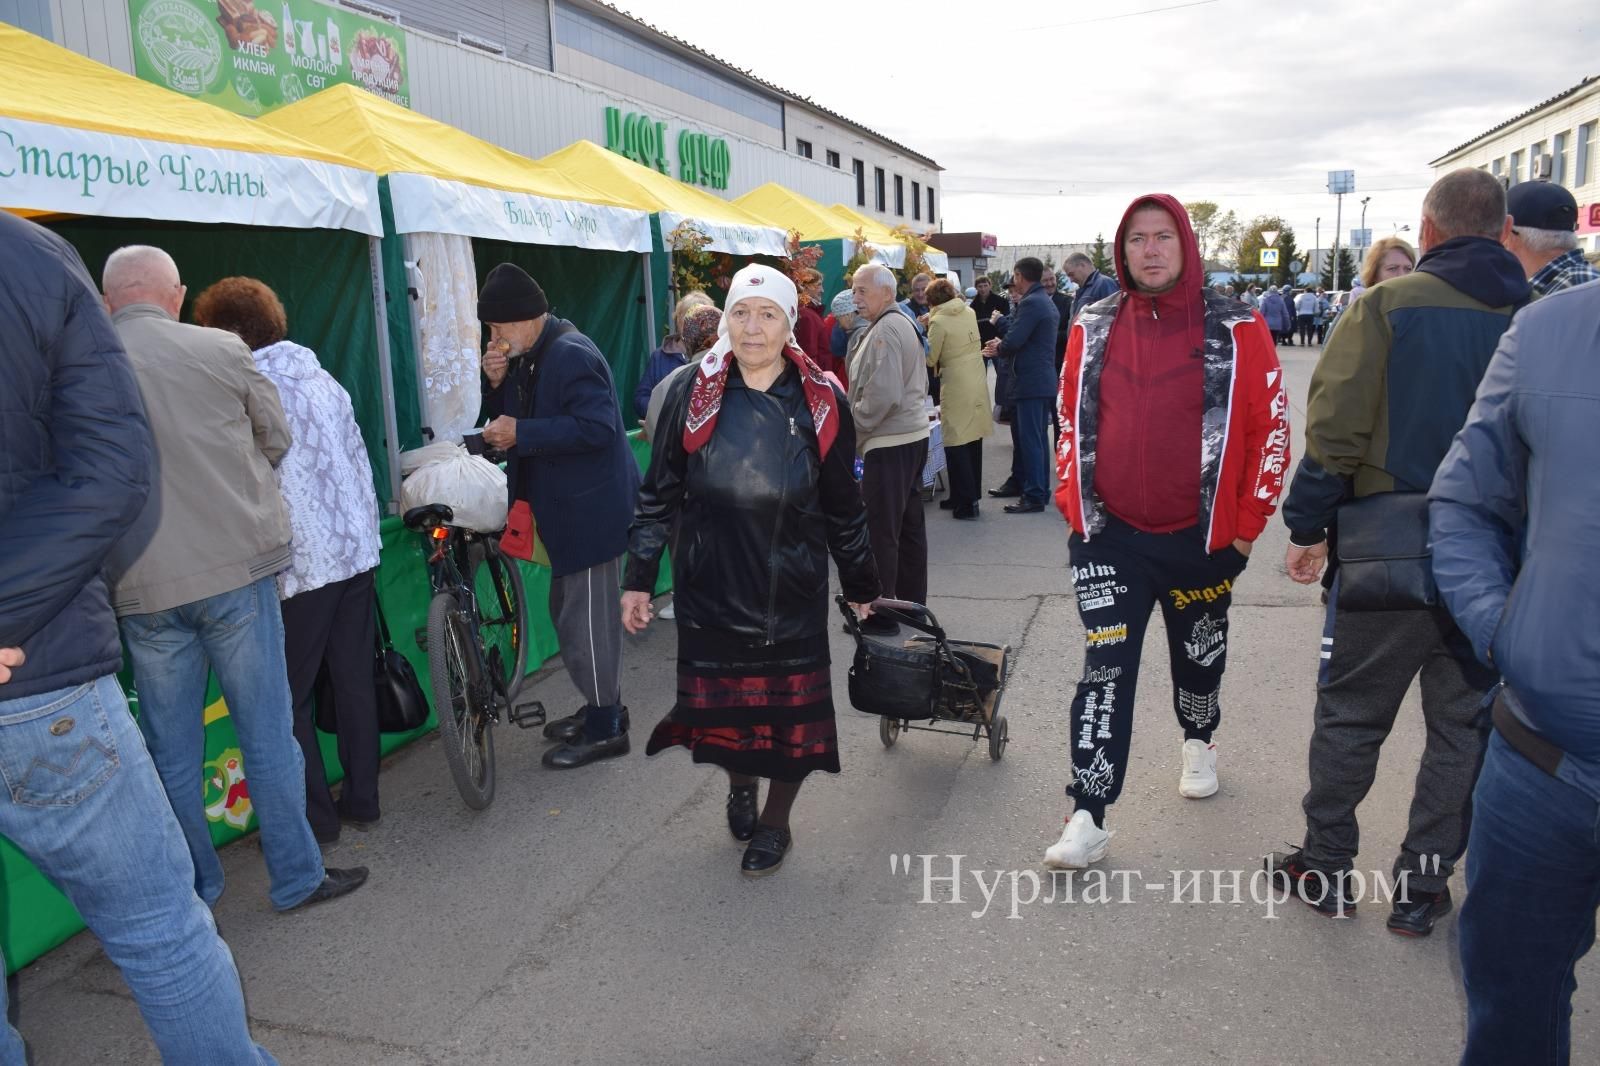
762 710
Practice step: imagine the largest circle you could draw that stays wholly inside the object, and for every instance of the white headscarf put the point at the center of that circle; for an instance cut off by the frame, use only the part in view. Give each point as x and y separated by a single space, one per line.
753 280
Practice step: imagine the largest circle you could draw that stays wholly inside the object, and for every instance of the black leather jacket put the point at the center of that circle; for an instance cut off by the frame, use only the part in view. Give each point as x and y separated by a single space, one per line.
753 515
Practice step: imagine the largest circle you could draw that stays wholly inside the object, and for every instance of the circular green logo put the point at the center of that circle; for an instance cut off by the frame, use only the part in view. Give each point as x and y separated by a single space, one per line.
184 48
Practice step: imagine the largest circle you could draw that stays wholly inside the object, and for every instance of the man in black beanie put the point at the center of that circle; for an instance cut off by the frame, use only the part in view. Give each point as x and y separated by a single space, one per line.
551 405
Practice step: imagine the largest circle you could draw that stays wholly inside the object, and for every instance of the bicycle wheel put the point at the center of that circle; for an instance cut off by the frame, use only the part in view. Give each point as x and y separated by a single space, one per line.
502 614
465 724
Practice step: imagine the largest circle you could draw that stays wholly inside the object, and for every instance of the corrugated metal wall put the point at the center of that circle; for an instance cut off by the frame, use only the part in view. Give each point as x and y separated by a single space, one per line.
95 28
521 27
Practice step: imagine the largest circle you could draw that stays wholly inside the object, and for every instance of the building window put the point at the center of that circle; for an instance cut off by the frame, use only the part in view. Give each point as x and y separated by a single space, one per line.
916 200
1583 170
833 159
802 147
899 195
1516 167
930 205
860 170
1498 167
882 200
1558 156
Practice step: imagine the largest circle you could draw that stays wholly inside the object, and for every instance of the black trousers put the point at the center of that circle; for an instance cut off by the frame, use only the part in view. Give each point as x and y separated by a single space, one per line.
1119 576
334 627
1307 329
964 462
891 488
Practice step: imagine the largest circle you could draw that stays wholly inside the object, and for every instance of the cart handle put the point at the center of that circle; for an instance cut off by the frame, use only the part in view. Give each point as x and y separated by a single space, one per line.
905 612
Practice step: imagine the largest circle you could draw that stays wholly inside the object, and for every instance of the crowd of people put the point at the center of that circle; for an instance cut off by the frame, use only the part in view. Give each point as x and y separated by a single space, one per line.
200 494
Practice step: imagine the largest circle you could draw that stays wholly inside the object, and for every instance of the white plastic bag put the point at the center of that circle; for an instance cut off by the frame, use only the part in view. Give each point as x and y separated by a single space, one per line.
444 472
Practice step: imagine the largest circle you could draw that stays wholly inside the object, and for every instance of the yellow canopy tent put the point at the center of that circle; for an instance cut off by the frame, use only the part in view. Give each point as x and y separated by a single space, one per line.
731 228
880 234
817 222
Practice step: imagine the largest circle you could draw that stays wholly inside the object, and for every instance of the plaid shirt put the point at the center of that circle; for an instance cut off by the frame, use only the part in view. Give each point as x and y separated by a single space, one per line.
1563 272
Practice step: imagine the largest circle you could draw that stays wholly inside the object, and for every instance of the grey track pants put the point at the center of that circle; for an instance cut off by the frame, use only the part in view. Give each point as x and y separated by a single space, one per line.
1369 660
587 610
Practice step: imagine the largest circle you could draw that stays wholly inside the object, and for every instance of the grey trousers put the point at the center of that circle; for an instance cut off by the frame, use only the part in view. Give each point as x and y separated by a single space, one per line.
587 610
1369 660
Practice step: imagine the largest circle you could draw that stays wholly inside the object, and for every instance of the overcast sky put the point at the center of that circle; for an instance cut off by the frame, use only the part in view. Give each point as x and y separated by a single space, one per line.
1049 118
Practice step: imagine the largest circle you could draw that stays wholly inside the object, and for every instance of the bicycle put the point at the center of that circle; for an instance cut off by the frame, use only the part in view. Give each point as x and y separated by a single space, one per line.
477 645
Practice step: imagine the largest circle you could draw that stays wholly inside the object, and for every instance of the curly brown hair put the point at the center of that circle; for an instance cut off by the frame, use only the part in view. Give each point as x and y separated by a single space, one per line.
244 306
941 292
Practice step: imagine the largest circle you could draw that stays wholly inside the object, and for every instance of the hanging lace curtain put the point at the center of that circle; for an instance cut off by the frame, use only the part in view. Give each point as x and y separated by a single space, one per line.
447 318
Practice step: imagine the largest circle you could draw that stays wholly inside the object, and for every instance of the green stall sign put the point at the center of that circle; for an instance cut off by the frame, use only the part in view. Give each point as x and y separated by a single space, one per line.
251 59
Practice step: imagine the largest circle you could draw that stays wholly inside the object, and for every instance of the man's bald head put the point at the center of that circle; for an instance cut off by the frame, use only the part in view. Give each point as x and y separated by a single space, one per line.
142 274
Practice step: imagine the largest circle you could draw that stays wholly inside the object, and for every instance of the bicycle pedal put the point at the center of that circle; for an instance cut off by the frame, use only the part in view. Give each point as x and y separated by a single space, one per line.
527 715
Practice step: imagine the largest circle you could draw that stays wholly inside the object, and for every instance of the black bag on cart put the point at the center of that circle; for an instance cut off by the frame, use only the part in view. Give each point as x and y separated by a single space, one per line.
908 680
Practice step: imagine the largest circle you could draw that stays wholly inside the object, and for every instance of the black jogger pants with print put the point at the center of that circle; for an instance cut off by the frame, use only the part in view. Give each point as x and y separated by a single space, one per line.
1119 576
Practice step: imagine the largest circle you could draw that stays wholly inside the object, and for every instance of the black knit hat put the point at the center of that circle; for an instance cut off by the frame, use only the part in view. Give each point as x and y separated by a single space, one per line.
510 295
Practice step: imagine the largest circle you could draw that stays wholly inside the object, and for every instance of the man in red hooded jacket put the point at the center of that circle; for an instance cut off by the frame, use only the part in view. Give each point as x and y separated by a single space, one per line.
1174 439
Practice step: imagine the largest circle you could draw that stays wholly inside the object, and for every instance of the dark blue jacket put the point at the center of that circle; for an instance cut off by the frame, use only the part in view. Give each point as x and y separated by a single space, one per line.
662 363
1029 342
572 462
75 458
1516 521
1095 287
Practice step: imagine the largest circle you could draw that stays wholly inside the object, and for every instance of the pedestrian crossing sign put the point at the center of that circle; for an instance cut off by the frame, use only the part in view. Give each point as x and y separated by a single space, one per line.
1269 257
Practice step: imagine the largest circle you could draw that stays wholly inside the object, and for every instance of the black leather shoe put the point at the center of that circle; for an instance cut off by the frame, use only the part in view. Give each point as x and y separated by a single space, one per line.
1009 491
742 811
581 752
766 851
966 514
1416 917
335 883
1024 507
878 626
947 504
566 729
361 825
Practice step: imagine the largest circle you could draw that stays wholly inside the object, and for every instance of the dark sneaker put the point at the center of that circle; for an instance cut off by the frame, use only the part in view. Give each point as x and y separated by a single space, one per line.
1321 890
1415 915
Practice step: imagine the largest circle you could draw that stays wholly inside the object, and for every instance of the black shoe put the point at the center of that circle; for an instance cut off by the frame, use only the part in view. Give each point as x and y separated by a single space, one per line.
1321 890
742 811
1024 507
1416 918
947 504
766 851
580 752
361 825
1009 491
335 883
877 626
966 514
566 729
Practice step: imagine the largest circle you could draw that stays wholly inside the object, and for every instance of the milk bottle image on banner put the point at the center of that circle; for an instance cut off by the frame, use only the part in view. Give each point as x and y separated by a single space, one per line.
335 50
288 31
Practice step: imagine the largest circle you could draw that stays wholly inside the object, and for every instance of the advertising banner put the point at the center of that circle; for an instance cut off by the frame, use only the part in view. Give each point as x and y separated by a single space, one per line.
251 59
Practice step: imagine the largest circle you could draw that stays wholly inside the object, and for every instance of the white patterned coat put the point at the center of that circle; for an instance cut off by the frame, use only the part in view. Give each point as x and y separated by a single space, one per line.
325 477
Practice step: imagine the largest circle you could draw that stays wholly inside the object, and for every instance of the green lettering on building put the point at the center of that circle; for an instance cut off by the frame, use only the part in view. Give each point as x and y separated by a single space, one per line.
702 159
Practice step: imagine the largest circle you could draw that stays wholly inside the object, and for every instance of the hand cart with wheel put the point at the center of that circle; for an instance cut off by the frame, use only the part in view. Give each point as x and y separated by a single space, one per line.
928 678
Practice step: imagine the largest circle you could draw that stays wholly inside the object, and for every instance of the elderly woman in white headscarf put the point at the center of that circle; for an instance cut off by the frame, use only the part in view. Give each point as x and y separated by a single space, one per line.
752 479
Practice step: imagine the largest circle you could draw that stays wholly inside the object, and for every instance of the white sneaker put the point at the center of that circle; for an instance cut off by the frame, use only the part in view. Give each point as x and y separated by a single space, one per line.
1199 778
1081 843
667 612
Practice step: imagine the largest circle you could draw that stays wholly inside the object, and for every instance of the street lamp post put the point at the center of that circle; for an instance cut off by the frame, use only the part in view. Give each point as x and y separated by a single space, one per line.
1319 239
1339 183
1364 238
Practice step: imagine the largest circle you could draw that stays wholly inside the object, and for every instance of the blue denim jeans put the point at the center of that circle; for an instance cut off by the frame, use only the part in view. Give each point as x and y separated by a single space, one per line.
1533 882
83 803
1030 428
239 635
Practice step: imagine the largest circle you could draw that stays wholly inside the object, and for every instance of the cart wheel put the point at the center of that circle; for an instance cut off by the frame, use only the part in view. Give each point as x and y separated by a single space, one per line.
888 731
999 736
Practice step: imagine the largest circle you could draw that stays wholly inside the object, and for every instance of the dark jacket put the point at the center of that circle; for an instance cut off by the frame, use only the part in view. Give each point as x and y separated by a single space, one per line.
572 462
661 363
753 515
1514 545
75 462
983 309
1063 304
1029 342
1396 379
1095 287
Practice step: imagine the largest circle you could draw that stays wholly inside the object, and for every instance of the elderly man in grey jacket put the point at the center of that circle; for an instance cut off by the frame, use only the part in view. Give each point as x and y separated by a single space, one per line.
888 390
193 579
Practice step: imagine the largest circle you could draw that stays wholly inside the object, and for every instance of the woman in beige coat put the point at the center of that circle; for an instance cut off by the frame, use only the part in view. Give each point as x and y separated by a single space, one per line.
956 356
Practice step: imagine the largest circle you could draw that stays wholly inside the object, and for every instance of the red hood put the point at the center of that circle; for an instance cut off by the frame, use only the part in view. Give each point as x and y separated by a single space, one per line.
1184 296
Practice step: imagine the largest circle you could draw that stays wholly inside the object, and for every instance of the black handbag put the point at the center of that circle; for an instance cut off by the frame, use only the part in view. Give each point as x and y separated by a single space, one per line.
906 680
402 706
1385 560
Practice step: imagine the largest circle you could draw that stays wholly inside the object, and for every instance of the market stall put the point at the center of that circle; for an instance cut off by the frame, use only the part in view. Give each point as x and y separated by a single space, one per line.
107 160
839 236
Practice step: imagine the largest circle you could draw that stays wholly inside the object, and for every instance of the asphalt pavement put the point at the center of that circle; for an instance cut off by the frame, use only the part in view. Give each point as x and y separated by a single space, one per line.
598 916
